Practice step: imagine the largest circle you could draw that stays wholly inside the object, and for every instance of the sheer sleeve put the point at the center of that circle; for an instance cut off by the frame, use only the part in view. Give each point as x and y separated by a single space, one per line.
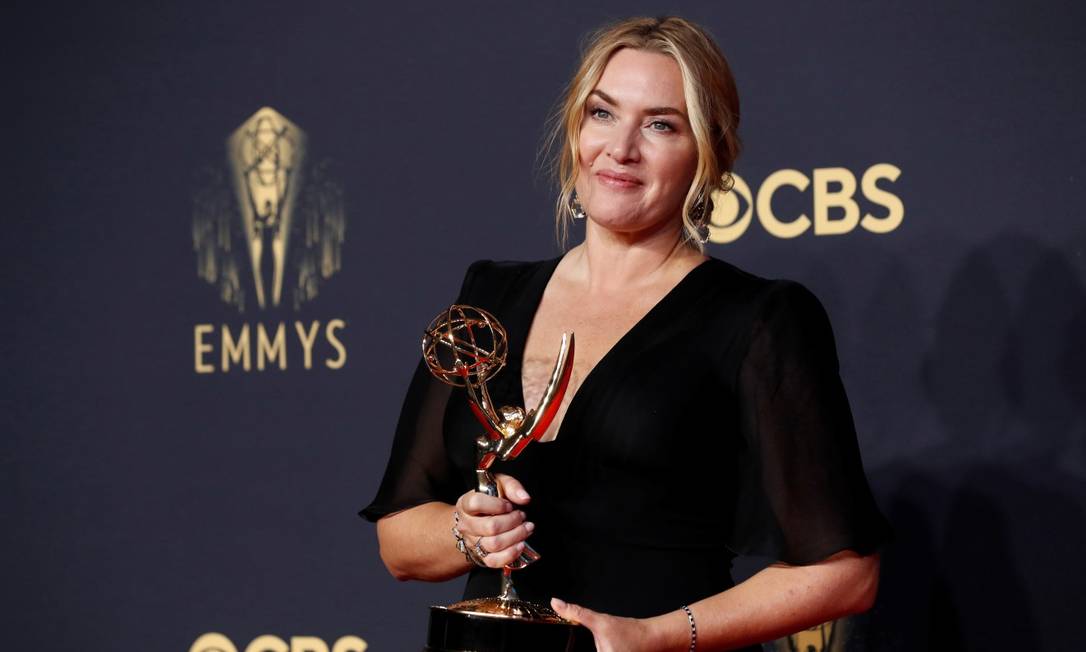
803 493
419 469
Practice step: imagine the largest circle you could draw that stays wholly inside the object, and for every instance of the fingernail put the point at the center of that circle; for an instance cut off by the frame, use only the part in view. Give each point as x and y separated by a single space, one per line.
529 526
520 547
522 494
557 604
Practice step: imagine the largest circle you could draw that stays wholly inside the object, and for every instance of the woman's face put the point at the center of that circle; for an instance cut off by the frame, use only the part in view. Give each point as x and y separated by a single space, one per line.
637 152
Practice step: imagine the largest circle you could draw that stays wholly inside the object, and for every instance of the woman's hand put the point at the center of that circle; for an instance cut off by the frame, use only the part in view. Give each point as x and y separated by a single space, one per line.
493 524
611 633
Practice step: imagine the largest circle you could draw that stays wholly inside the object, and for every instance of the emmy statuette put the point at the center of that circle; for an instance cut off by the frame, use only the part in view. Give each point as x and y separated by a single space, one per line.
465 346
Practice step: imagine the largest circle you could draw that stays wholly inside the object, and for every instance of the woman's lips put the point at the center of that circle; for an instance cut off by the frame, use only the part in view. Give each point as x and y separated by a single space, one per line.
617 179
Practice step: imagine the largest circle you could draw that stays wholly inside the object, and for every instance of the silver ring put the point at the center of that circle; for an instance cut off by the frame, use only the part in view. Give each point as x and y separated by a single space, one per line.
479 548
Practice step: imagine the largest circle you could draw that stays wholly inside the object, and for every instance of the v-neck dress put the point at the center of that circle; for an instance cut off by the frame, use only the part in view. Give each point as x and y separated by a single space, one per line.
717 426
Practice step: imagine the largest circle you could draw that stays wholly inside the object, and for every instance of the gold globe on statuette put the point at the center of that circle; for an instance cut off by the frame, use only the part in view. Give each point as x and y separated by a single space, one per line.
465 346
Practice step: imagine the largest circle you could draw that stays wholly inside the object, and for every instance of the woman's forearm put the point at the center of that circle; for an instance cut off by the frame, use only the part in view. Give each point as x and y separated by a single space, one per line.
778 601
417 544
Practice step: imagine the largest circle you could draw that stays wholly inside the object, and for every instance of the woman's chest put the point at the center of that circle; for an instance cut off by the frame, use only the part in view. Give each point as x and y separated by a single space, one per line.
597 322
653 386
657 398
596 329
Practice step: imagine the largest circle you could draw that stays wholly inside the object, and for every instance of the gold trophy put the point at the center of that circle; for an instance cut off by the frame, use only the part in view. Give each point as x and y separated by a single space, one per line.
465 346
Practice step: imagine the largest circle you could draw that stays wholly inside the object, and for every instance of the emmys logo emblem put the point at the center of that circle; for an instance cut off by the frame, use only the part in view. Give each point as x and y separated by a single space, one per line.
270 217
266 156
214 642
833 200
267 231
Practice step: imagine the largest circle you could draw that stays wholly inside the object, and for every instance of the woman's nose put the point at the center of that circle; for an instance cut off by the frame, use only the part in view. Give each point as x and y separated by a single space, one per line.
623 147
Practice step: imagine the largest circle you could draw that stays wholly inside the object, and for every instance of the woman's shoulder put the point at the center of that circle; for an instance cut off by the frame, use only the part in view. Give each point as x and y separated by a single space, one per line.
495 278
744 285
760 298
767 320
506 268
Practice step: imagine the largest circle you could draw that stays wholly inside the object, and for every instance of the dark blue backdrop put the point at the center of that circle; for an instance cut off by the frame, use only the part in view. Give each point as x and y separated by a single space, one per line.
146 504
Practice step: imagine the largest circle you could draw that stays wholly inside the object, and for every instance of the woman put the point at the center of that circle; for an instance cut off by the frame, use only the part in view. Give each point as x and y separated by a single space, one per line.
705 417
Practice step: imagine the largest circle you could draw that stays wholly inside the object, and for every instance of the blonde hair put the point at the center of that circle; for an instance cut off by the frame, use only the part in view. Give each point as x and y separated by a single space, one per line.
712 103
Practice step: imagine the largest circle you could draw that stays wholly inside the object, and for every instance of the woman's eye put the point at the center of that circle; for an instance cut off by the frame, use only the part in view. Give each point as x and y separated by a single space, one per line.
660 125
601 114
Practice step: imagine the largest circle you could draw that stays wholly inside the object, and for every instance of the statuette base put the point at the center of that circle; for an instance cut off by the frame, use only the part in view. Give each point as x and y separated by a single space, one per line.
454 630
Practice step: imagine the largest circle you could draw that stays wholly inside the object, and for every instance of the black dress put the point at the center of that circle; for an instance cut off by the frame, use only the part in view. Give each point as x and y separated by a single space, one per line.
716 426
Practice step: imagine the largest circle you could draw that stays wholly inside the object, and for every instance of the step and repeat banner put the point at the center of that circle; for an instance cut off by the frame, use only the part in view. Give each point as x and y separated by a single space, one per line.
228 224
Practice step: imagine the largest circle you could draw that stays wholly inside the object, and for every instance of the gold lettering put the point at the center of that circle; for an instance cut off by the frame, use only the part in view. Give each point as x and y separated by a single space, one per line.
268 643
201 347
307 644
893 203
824 199
307 339
330 333
213 642
772 183
270 351
235 351
350 644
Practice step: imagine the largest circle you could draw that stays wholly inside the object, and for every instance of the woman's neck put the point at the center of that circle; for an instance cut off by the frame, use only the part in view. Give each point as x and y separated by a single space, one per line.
609 261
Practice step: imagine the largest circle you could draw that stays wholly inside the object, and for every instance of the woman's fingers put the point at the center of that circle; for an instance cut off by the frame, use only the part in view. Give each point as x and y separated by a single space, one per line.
507 539
475 503
493 523
610 633
575 613
489 526
513 489
503 557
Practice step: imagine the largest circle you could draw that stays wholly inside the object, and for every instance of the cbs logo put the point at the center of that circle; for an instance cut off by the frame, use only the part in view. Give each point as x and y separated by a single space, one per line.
831 188
214 642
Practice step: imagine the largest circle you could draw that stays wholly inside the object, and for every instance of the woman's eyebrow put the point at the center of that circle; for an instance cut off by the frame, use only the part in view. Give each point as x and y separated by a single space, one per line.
656 110
604 96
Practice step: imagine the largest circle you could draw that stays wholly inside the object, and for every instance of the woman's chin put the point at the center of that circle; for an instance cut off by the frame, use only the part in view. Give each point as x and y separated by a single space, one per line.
622 225
615 213
614 223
